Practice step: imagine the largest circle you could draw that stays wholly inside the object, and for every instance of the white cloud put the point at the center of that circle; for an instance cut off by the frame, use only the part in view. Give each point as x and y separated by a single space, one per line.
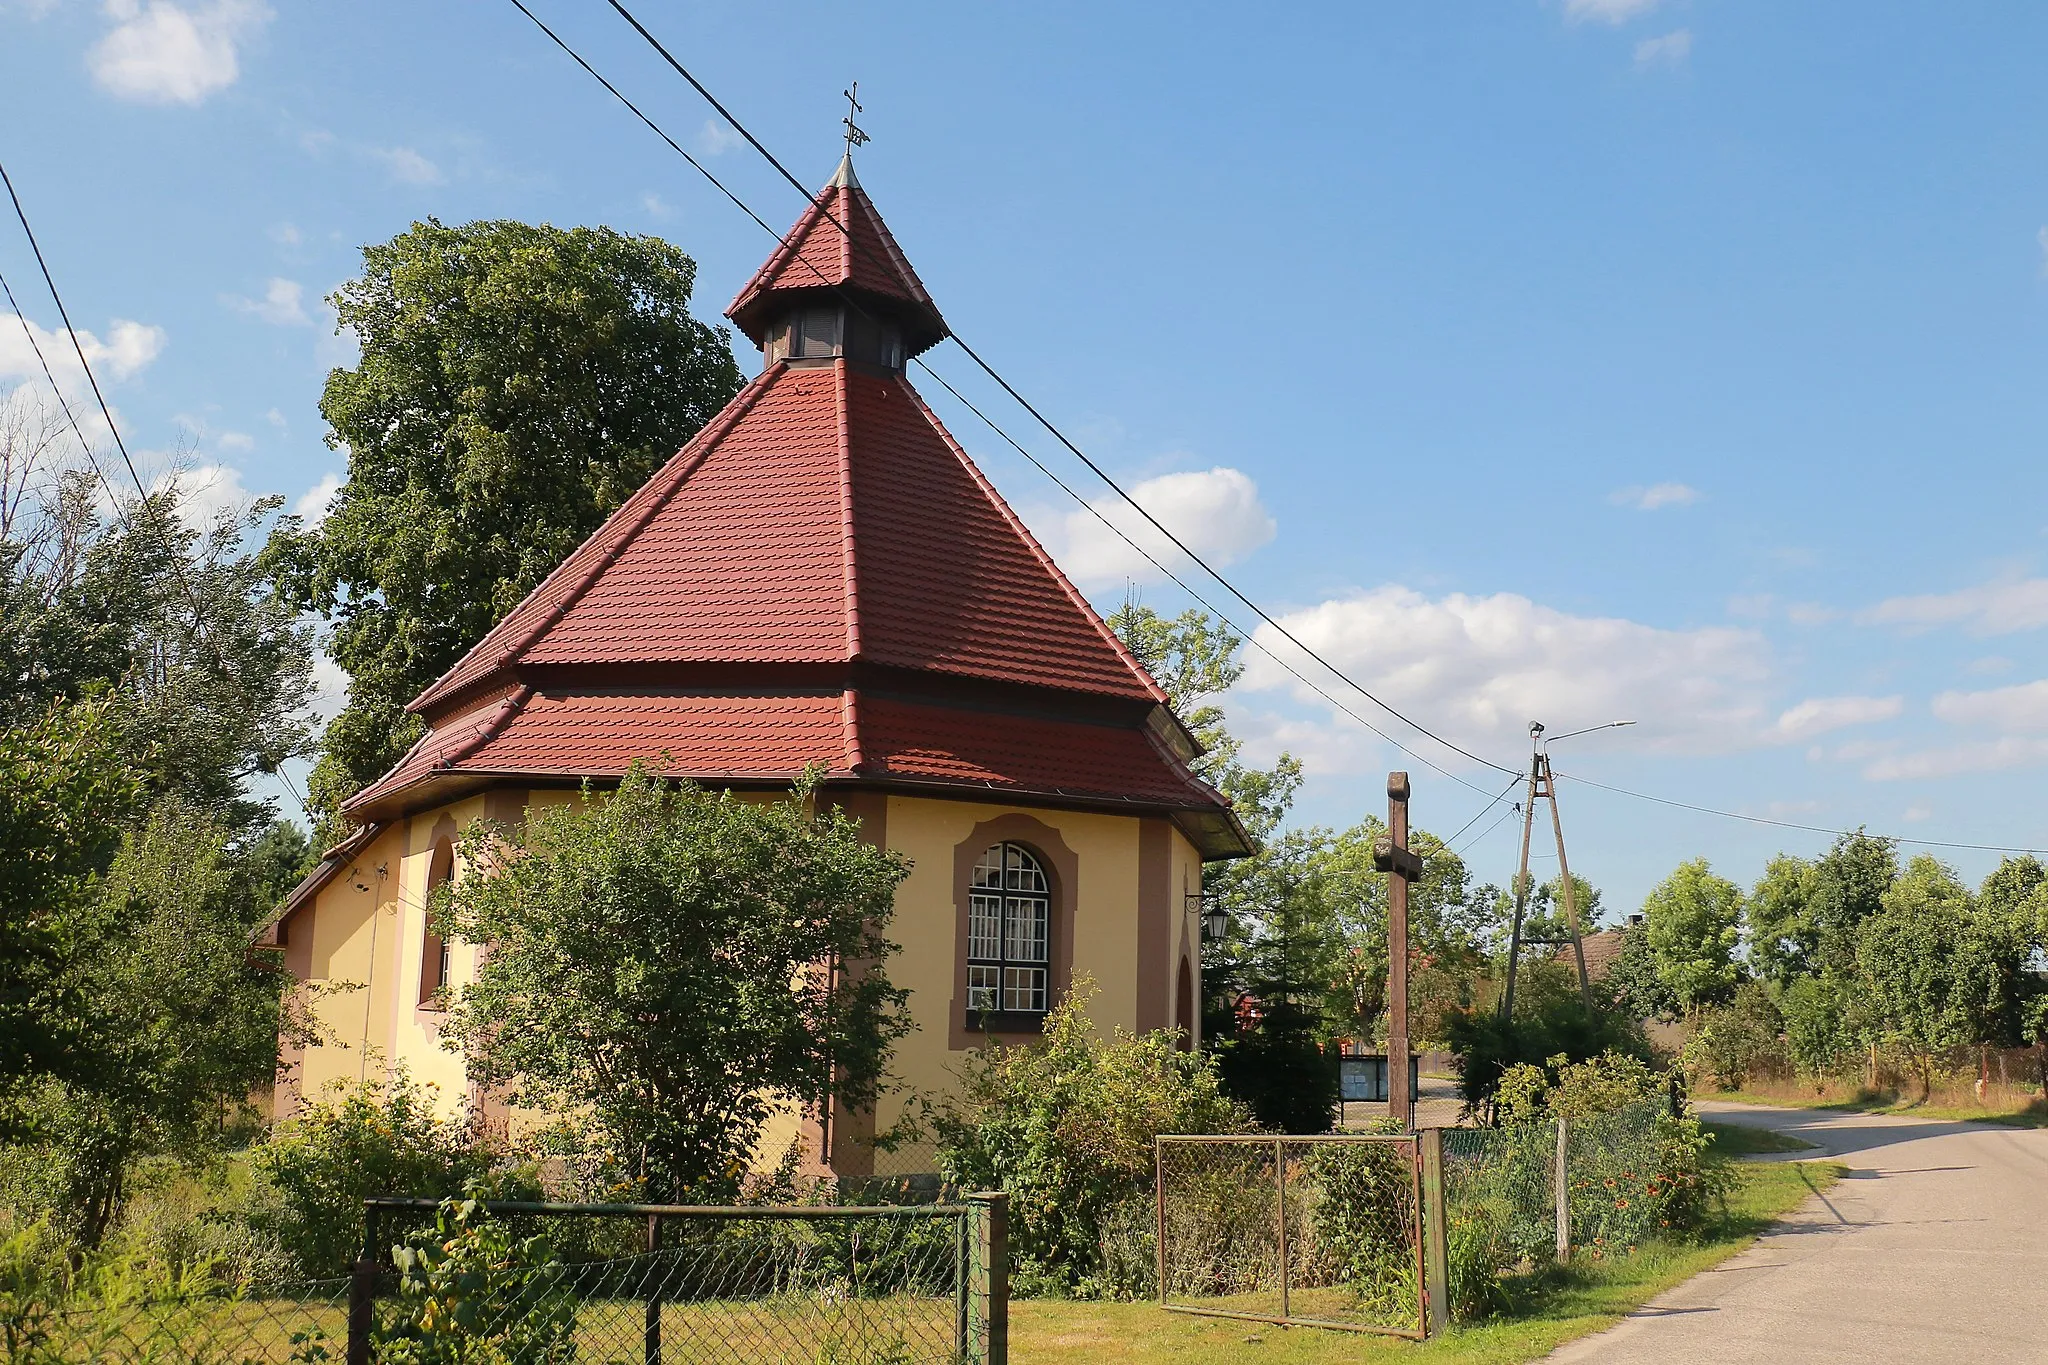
235 440
1606 11
129 348
1918 812
163 53
2021 707
282 304
1818 715
1976 756
1655 496
286 234
1809 613
1215 512
1990 663
407 165
1670 50
656 206
312 504
717 136
1482 667
1997 608
205 491
330 687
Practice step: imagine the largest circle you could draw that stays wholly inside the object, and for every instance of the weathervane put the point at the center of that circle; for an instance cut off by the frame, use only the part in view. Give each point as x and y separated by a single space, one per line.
854 136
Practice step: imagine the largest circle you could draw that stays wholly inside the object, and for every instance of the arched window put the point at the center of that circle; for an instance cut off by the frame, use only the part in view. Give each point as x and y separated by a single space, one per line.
1009 933
434 948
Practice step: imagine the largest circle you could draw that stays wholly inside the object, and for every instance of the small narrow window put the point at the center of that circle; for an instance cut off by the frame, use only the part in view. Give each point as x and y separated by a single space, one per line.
434 948
820 332
1009 928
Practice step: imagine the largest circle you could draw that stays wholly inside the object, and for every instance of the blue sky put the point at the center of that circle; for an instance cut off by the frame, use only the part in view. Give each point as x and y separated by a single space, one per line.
1575 359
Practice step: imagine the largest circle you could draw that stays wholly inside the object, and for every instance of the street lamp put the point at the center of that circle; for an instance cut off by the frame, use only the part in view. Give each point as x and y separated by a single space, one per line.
1214 918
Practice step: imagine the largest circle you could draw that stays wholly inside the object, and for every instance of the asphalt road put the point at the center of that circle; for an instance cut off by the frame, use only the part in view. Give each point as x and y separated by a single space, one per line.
1934 1247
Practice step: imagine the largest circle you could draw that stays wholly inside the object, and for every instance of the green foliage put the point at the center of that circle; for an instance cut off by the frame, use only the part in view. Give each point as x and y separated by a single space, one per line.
1931 968
377 1138
1634 981
1848 886
662 959
1742 1038
470 1293
1267 1020
1821 1024
1693 920
1065 1125
64 790
1782 937
516 383
177 1020
1551 1019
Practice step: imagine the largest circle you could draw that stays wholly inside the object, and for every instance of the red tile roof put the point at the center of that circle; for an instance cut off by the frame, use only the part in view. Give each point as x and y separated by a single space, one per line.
841 243
822 536
773 738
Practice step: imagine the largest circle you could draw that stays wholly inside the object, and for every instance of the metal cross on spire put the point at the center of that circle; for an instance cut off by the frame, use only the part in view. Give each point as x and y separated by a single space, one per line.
854 136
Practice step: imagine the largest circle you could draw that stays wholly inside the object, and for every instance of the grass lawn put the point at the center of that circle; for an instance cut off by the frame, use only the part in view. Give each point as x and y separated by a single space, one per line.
1740 1140
1581 1299
2033 1114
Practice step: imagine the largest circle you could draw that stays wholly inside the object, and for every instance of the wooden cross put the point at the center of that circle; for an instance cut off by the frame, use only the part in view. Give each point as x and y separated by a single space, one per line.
1390 855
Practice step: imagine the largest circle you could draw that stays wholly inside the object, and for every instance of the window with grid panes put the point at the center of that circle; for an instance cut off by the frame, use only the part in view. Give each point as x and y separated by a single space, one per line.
1008 933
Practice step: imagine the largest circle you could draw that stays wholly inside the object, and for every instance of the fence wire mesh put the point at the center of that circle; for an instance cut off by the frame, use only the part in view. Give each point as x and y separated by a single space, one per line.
860 1286
455 1284
306 1323
1612 1161
1313 1231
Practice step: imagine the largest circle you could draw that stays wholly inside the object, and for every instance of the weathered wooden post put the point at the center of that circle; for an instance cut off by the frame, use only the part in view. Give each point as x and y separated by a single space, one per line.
1390 855
1561 1191
1436 1246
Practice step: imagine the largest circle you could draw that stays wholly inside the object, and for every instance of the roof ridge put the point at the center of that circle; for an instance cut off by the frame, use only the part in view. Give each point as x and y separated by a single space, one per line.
996 499
582 568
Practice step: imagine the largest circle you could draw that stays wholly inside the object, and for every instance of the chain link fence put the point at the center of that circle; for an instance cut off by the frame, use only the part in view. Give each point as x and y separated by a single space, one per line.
219 1326
1322 1231
547 1284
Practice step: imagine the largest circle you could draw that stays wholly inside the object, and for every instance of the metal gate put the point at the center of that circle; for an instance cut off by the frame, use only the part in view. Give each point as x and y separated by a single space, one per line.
1309 1231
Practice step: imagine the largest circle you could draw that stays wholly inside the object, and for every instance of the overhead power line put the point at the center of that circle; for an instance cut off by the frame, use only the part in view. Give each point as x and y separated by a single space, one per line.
1793 824
1039 417
990 422
745 133
172 553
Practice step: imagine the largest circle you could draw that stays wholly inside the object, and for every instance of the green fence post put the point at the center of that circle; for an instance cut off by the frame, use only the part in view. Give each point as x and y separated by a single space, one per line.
988 1336
651 1331
362 1290
1436 1260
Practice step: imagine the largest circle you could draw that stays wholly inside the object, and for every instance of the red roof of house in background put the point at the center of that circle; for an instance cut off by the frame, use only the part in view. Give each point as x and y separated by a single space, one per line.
821 576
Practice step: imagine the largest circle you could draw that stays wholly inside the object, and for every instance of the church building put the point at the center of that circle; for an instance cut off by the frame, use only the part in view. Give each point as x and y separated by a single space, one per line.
821 576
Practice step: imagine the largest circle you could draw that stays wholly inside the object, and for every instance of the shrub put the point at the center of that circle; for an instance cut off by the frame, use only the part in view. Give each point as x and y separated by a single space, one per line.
379 1138
469 1293
1065 1126
1550 1019
1742 1038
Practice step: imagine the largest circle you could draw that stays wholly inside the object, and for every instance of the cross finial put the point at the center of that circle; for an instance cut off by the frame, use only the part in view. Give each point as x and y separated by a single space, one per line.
854 136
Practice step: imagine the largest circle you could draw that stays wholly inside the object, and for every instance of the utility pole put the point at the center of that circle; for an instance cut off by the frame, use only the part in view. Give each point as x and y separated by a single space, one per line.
1543 786
1390 854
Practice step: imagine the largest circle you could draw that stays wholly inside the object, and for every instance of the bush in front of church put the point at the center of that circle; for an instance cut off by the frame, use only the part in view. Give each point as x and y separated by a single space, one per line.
1065 1126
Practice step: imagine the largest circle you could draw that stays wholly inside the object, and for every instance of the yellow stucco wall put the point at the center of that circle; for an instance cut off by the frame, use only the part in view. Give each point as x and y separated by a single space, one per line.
382 1011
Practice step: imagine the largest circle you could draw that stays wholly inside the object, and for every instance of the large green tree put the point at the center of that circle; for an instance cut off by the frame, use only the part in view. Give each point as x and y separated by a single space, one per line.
173 1019
674 963
516 383
1694 919
1926 975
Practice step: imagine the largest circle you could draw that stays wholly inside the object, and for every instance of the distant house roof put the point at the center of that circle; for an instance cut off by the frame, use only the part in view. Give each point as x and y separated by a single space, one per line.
1601 950
821 576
